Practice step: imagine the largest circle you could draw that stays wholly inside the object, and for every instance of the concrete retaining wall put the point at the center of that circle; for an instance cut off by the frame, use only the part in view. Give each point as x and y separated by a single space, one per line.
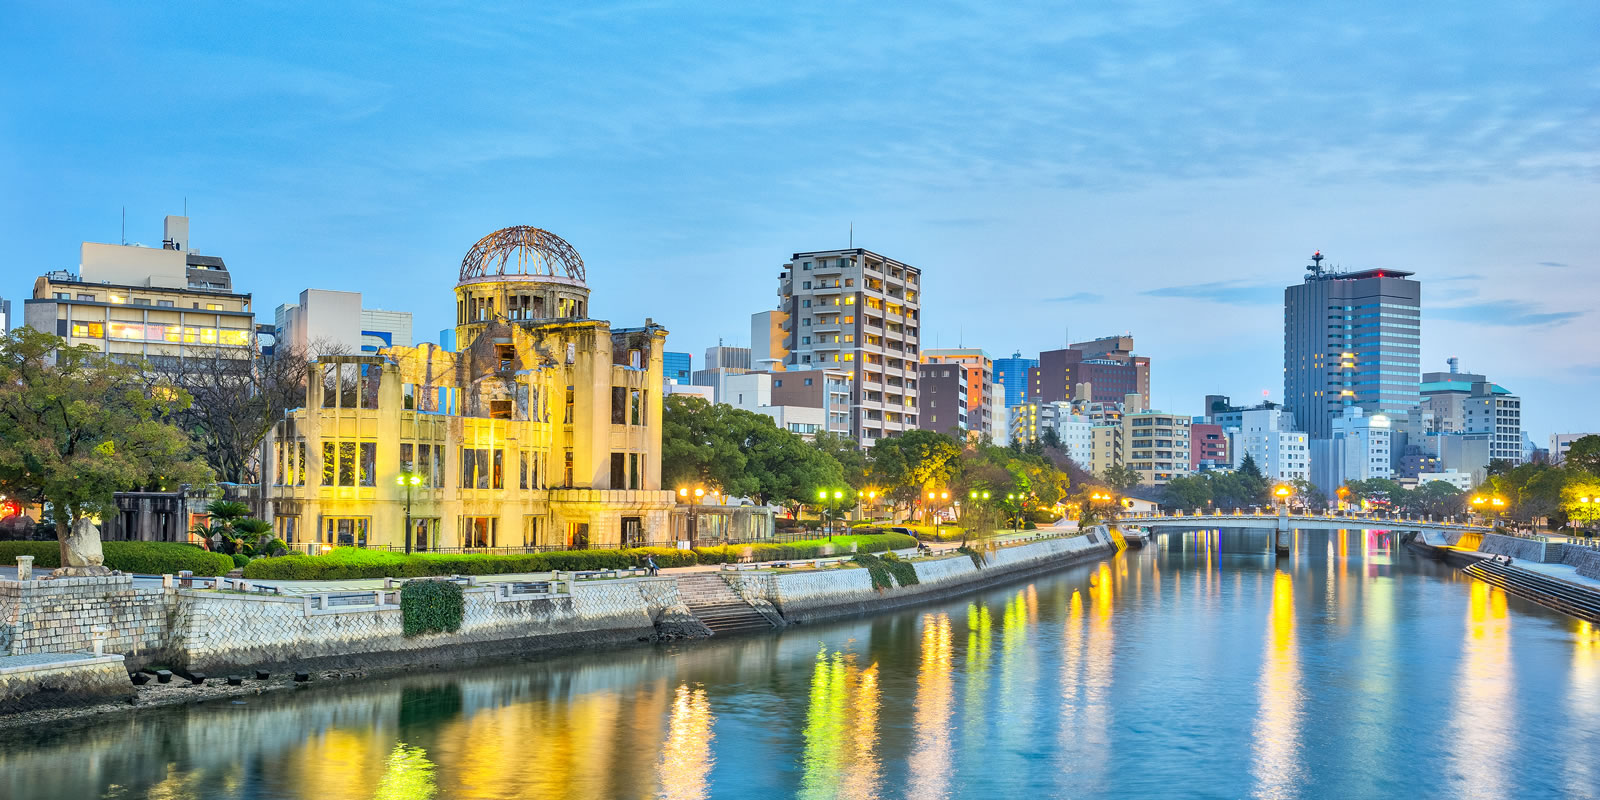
808 596
1525 549
55 616
219 631
1587 561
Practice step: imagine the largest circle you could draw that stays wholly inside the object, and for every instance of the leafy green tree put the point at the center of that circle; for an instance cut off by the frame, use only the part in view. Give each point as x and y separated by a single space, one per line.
1189 492
1580 500
1253 488
1584 455
852 460
77 427
1121 477
902 465
1436 498
740 453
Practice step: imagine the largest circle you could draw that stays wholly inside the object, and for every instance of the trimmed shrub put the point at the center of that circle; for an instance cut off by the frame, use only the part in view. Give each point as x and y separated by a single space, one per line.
431 607
240 560
146 558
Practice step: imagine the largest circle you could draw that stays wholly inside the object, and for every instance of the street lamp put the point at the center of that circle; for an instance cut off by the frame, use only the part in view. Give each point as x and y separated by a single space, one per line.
409 480
1283 492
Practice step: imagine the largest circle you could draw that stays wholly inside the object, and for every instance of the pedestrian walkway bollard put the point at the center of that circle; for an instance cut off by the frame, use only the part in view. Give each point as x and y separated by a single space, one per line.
24 568
166 581
98 633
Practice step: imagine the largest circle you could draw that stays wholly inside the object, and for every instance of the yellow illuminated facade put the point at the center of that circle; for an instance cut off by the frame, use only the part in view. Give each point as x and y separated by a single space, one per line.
542 430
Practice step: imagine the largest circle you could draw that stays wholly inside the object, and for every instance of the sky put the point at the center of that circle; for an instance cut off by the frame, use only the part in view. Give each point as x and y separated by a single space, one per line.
1056 170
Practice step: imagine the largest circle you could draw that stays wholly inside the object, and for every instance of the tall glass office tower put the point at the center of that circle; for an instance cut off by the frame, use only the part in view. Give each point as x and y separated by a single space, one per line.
1351 339
1013 372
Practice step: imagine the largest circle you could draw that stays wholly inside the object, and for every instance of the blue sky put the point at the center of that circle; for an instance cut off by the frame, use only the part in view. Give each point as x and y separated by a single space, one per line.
1082 169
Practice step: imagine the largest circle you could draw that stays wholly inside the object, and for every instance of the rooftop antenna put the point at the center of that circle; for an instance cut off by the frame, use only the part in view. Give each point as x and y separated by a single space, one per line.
852 234
124 224
1315 267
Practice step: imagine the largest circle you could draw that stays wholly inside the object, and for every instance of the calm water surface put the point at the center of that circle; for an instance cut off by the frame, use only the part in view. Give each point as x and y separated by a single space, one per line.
1198 668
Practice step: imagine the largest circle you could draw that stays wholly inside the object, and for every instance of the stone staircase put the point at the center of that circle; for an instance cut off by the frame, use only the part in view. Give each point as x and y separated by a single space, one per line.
1560 595
716 604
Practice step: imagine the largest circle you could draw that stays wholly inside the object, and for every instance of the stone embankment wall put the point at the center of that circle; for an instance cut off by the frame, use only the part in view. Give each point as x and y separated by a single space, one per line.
1586 560
218 631
807 596
58 616
57 683
1524 549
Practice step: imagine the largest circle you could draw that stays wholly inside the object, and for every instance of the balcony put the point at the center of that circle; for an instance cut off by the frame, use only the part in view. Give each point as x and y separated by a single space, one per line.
823 288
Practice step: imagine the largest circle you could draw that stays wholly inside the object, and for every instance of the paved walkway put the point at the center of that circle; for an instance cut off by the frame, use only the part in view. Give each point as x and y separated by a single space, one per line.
1563 572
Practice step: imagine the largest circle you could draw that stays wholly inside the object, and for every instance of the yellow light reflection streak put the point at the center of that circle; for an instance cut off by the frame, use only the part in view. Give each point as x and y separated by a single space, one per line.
1276 766
1583 699
686 754
930 755
1485 714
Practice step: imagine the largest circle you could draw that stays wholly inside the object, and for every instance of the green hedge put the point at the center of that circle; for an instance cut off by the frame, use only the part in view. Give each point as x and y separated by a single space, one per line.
343 563
146 558
812 548
431 607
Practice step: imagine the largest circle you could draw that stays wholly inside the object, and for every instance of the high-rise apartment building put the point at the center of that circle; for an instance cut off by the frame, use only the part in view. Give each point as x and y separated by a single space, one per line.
145 302
1034 421
1107 365
860 312
327 322
979 370
1012 373
1350 339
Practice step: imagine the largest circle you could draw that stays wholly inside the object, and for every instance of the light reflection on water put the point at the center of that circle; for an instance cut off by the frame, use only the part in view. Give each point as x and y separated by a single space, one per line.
1200 666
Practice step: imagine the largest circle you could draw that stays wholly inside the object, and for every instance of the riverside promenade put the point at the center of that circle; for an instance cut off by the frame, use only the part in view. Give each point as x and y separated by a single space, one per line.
358 624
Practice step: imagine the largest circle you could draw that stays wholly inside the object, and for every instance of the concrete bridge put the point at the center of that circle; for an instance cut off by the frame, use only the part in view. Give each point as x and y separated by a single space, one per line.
1283 521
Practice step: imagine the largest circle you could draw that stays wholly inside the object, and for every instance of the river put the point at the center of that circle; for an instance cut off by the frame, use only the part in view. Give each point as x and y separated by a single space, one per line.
1202 666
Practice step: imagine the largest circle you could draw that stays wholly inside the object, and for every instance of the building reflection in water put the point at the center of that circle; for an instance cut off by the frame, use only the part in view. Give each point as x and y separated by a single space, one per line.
686 754
930 756
1485 713
1277 765
975 691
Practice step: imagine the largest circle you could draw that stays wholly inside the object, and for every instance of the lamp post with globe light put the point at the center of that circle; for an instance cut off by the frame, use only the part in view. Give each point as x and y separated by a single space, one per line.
409 480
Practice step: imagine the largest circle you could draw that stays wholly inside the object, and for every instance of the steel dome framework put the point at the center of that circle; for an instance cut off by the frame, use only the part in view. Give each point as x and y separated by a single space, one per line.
522 250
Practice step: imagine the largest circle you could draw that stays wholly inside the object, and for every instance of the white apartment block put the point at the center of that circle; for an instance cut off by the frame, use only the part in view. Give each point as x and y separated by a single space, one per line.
1360 448
1268 436
1460 480
1029 422
753 391
859 312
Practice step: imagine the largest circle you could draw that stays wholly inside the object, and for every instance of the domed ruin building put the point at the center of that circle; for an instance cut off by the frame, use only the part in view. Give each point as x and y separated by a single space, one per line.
543 430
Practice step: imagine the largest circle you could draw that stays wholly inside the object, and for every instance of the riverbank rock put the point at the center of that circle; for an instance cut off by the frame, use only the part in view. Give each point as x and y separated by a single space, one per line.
677 622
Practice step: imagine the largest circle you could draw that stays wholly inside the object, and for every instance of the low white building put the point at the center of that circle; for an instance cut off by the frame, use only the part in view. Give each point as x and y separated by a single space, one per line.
752 391
705 393
1456 478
